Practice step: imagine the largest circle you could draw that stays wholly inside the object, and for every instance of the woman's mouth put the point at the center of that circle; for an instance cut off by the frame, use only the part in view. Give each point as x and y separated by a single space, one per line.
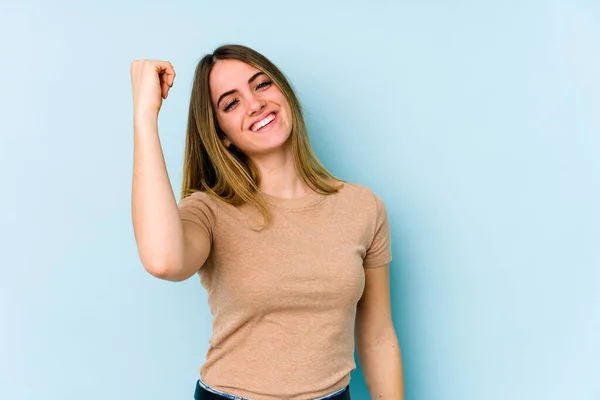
264 123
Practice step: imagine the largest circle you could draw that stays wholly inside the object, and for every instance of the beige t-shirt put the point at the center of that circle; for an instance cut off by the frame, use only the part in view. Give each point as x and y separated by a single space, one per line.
284 299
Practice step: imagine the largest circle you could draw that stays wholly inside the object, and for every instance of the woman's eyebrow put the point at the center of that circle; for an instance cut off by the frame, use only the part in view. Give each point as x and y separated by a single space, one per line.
252 79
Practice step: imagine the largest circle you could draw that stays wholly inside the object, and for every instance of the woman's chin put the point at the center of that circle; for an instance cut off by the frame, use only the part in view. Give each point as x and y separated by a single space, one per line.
275 144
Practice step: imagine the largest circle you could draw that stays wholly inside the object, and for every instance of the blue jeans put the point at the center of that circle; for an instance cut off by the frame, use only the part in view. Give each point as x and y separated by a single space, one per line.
205 392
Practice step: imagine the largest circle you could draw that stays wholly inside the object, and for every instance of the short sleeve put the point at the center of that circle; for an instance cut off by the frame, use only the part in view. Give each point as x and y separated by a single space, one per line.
200 209
379 253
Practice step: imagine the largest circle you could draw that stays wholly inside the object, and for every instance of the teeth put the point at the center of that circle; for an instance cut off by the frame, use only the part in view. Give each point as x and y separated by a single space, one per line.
262 123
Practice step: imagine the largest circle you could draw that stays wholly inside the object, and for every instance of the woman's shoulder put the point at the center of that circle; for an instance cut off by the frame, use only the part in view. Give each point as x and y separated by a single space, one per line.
357 190
199 198
358 196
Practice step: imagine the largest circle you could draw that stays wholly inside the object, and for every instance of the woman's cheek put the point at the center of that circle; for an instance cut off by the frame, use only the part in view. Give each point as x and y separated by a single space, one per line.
225 124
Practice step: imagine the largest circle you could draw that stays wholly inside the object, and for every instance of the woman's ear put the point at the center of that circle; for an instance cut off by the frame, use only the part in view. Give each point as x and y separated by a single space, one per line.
226 142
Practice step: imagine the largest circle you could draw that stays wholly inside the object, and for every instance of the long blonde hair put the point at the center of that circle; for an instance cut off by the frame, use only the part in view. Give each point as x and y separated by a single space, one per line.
228 174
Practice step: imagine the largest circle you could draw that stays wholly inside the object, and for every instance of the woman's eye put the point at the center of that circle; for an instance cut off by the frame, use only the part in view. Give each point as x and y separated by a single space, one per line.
230 105
264 85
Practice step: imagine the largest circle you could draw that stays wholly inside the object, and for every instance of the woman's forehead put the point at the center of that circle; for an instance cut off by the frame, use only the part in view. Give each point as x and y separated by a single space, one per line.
229 74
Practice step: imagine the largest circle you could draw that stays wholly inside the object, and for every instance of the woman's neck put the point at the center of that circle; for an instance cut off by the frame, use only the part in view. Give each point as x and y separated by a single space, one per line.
278 175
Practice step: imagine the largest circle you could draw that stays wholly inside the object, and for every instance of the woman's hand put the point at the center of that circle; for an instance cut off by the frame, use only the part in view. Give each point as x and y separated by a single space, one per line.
151 81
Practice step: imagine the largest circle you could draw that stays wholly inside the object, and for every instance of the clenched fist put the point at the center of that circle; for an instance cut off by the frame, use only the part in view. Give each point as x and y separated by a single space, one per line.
151 81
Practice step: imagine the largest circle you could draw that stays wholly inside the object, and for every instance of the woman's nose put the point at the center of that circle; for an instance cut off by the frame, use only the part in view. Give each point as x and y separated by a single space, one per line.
255 105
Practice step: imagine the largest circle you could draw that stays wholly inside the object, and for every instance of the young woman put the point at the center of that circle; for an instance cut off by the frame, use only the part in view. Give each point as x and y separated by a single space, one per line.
295 261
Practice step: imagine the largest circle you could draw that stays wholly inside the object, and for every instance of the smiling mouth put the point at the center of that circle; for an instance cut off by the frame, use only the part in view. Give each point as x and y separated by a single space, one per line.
263 122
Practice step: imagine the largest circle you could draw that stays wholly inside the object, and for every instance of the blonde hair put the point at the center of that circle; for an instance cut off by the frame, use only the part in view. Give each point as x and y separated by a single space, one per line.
228 174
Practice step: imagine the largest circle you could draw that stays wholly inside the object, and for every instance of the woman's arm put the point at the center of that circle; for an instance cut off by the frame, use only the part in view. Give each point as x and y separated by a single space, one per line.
169 248
377 344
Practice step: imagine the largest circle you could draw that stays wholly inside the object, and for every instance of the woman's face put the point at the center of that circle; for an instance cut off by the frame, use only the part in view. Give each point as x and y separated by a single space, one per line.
251 110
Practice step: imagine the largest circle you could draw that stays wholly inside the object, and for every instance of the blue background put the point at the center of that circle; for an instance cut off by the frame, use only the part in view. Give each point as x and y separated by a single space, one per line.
477 122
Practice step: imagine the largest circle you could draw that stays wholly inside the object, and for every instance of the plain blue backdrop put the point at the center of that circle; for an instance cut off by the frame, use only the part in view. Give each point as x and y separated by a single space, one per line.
477 122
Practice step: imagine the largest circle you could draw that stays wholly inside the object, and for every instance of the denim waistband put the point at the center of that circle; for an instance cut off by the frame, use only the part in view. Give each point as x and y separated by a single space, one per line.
203 385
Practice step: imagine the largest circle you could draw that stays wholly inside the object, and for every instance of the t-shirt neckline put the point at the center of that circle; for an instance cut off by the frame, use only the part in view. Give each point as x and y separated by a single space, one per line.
304 201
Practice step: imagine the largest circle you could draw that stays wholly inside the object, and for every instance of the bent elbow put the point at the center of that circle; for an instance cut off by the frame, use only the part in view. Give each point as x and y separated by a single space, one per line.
168 271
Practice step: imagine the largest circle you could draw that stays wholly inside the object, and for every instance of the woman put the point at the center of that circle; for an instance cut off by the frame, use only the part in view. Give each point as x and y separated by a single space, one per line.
295 261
